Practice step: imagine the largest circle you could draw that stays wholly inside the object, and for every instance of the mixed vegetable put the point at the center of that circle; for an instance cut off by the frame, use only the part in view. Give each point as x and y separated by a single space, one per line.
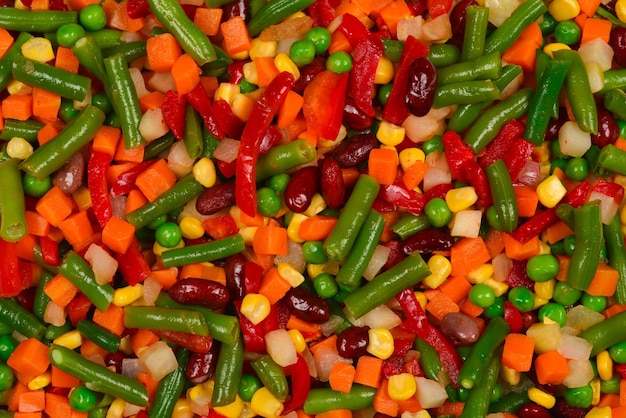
331 208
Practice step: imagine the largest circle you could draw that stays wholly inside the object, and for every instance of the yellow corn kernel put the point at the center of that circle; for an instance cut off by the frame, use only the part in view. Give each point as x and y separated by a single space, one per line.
390 134
265 404
541 398
19 148
226 91
564 9
401 386
284 63
294 227
461 198
182 409
232 410
298 340
317 205
82 198
605 365
204 172
158 249
384 71
512 377
191 227
40 382
314 270
551 48
247 233
288 272
381 343
126 295
242 106
480 274
250 73
440 269
539 301
255 307
116 409
19 4
266 49
550 191
544 248
595 387
499 288
545 290
422 414
71 339
38 49
421 298
410 156
17 87
600 412
620 10
199 394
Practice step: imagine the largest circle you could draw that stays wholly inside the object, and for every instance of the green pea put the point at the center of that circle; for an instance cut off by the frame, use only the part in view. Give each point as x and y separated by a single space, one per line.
555 149
35 187
320 37
433 144
68 34
522 298
565 294
559 163
568 244
543 267
567 32
547 24
383 93
112 120
279 182
83 399
325 286
7 346
158 222
102 102
248 384
482 295
92 17
595 303
580 397
553 311
496 309
247 87
168 235
67 111
314 252
610 385
437 212
6 377
618 352
557 248
493 219
302 52
339 62
577 169
268 202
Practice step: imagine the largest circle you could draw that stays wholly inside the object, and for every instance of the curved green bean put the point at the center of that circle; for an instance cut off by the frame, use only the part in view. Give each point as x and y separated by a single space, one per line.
586 256
169 389
503 194
209 251
322 400
228 373
12 18
12 205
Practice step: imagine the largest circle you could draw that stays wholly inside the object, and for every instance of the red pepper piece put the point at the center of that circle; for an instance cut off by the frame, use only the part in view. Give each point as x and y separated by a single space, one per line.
49 251
125 182
497 149
395 254
227 169
57 5
513 317
413 366
395 110
261 116
10 281
365 57
196 343
322 12
382 206
621 370
417 8
271 138
477 177
132 264
354 30
300 384
137 8
78 308
518 277
458 154
201 103
324 100
437 8
516 156
252 334
97 167
235 70
439 191
392 366
220 227
226 120
399 195
173 109
614 190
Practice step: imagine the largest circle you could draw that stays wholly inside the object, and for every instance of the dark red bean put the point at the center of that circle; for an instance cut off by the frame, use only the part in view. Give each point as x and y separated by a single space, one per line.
563 410
201 366
457 21
331 182
203 292
618 43
115 360
352 342
528 318
216 198
308 73
70 177
235 276
428 240
608 129
355 150
236 8
531 410
307 306
303 185
421 86
353 118
460 327
552 131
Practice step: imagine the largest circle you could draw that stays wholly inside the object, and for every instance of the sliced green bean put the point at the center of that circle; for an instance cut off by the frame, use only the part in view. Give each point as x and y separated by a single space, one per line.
156 147
510 30
55 331
192 137
272 376
284 157
77 270
107 38
616 253
228 373
89 54
273 12
504 199
614 79
130 50
615 102
6 63
478 399
21 320
209 251
26 129
409 224
465 92
169 389
150 317
486 67
586 256
43 21
98 335
41 299
476 22
442 55
613 159
323 400
12 205
606 333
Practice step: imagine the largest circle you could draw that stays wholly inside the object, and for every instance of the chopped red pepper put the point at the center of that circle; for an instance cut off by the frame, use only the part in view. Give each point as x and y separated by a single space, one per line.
125 182
220 227
201 103
399 195
516 156
477 177
173 109
226 120
354 30
196 343
322 12
497 148
137 8
97 168
614 190
458 154
513 317
235 69
365 57
300 384
437 8
10 281
78 308
253 274
49 251
324 100
132 264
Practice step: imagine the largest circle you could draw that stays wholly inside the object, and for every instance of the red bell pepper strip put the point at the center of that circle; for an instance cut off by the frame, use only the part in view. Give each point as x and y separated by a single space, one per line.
300 384
458 154
201 103
226 120
271 138
517 154
477 177
196 343
365 57
10 281
395 110
261 116
252 334
132 264
324 100
322 12
253 274
125 182
235 70
399 195
137 8
49 251
173 109
497 148
437 8
97 167
513 317
354 30
614 190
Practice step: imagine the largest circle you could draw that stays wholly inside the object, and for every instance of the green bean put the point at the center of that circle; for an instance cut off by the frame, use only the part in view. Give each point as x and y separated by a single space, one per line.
12 205
284 157
442 55
274 12
408 224
98 412
338 244
579 91
221 62
504 36
613 159
41 300
486 67
510 402
130 50
20 20
428 360
6 414
78 271
192 137
272 376
406 273
89 54
107 38
189 36
614 79
21 320
615 102
465 92
616 253
476 22
350 273
322 400
169 389
98 377
493 119
98 335
228 373
477 403
26 129
150 317
392 48
156 147
491 338
6 63
124 99
55 331
606 333
55 153
504 198
50 78
586 256
209 251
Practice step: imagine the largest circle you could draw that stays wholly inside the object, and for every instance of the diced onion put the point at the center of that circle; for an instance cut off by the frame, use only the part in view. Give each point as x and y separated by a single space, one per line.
151 290
574 348
502 266
530 174
158 359
102 263
580 373
546 336
581 317
380 317
280 347
325 359
54 314
608 206
430 393
131 366
227 150
294 256
378 260
573 140
178 159
152 125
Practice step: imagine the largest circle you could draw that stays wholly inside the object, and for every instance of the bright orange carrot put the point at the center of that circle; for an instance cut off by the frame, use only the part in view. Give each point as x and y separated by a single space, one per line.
316 227
339 43
61 379
141 339
383 165
135 200
383 402
329 343
589 7
596 28
236 36
60 290
414 175
270 240
49 131
133 155
393 13
456 288
467 255
20 414
203 271
186 74
115 170
308 330
335 413
32 401
54 206
118 234
77 228
57 406
152 100
468 308
518 352
30 358
523 53
439 304
165 277
119 19
17 106
604 282
551 368
6 41
112 319
341 377
290 109
620 143
273 286
518 251
162 51
266 70
88 349
527 200
37 225
25 247
557 232
45 104
208 20
66 60
368 371
157 179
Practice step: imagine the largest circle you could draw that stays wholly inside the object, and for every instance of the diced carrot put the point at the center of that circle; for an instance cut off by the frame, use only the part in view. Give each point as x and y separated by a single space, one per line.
155 180
518 251
308 136
203 271
527 200
563 267
118 234
208 20
236 36
115 170
393 13
414 175
45 104
25 247
341 377
604 282
335 413
608 399
411 405
518 352
557 232
618 411
30 358
596 28
36 224
349 176
271 240
308 329
40 5
60 290
6 41
32 401
134 201
371 7
17 106
450 408
119 19
589 7
316 228
390 219
551 368
49 131
288 112
350 8
162 51
19 414
54 206
107 139
620 143
165 277
66 60
57 406
439 304
622 393
142 339
522 52
383 165
329 343
614 310
383 402
149 382
468 308
468 254
266 70
14 397
81 4
339 43
152 100
273 286
76 228
112 319
90 349
61 379
186 74
368 371
133 155
295 128
456 288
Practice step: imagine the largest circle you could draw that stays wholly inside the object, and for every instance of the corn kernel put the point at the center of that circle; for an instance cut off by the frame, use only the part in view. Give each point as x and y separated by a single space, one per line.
440 268
390 134
40 382
126 295
541 398
597 393
204 172
82 198
401 386
622 215
595 74
605 365
499 288
409 156
242 106
247 233
19 148
545 290
480 274
564 9
71 339
539 301
255 307
512 377
116 409
232 410
381 343
263 49
284 62
158 249
17 87
199 394
288 272
620 10
461 198
191 227
421 298
600 412
265 404
384 71
314 270
182 409
226 91
38 49
19 4
294 227
550 191
551 48
298 340
317 205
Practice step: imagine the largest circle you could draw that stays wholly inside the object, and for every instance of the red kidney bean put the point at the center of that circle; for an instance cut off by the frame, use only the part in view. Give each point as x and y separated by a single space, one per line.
216 198
303 185
353 118
236 8
608 129
308 73
563 410
528 318
70 177
201 366
531 410
355 150
331 182
115 360
552 131
307 306
396 254
460 327
203 292
457 21
421 86
428 240
352 342
618 43
235 276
